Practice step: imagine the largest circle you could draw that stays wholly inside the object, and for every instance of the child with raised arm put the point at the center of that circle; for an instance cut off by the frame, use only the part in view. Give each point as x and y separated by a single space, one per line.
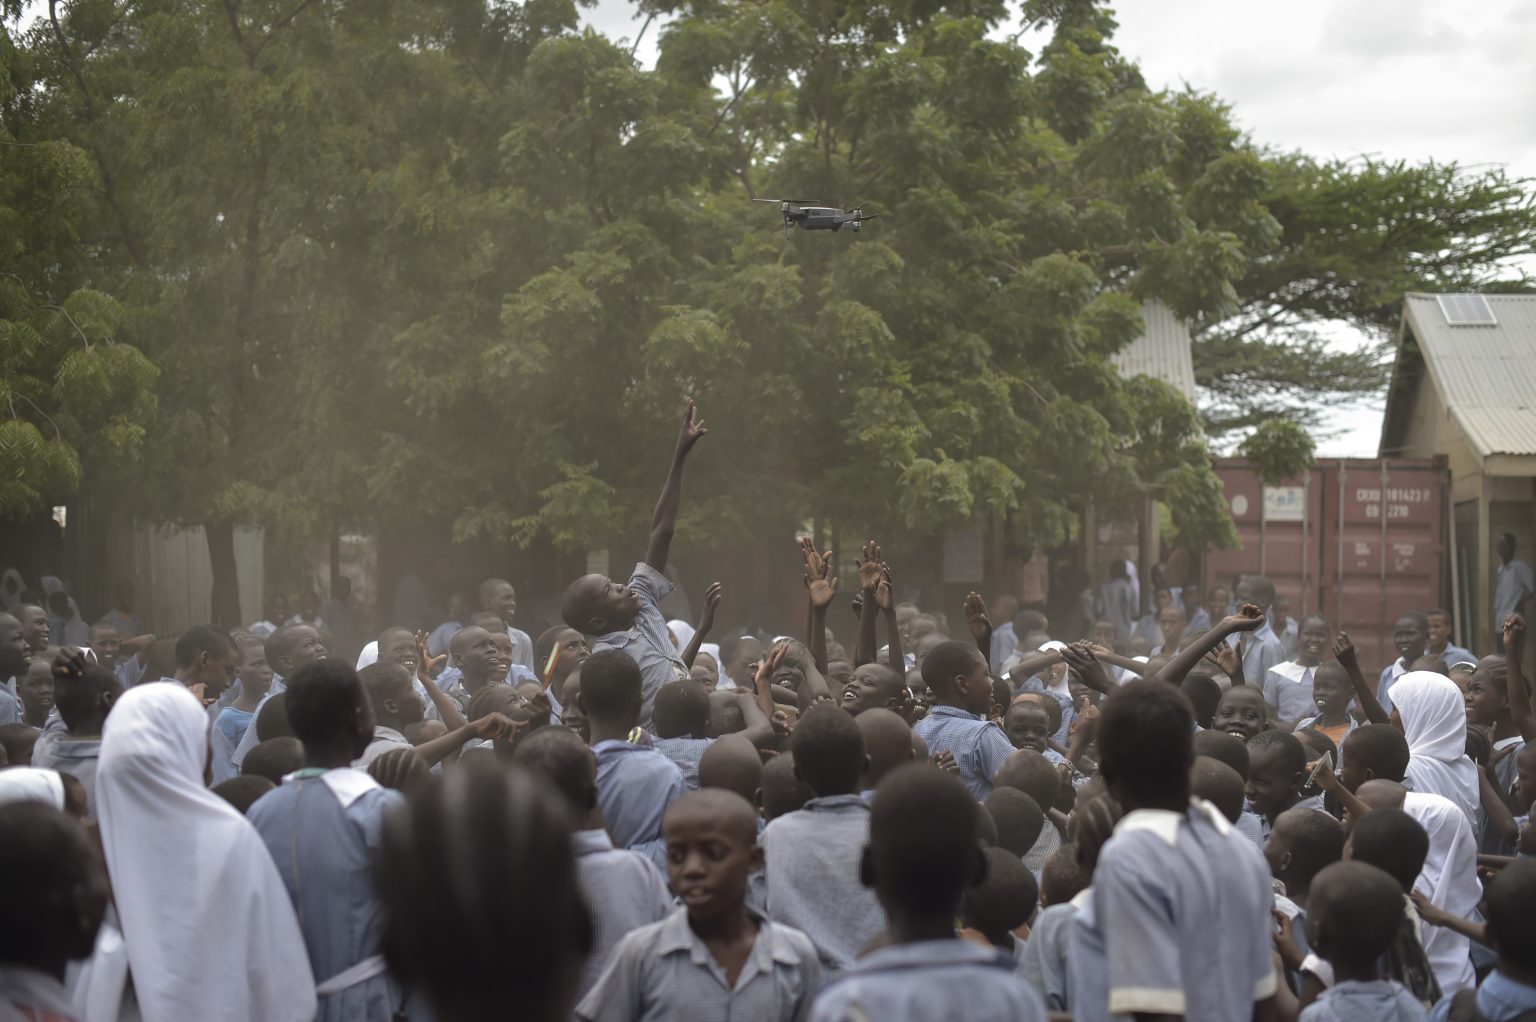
627 617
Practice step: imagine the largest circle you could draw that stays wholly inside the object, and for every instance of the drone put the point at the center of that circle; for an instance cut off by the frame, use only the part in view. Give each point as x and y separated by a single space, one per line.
800 212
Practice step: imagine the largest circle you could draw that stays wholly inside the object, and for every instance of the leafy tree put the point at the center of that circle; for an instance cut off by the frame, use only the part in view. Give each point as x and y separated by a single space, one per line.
1356 235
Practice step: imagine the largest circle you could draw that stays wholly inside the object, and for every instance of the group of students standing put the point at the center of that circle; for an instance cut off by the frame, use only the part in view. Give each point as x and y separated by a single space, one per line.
799 830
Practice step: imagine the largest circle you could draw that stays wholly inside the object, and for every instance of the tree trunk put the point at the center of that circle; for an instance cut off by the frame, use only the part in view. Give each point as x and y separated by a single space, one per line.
225 599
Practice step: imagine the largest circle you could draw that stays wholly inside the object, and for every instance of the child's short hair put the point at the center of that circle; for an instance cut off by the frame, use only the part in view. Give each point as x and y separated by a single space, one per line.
202 639
487 619
1146 740
78 697
58 892
1433 664
243 791
401 769
323 699
1050 704
439 900
610 684
986 827
1353 912
1062 877
560 756
1090 826
1315 745
1510 909
272 719
829 750
1380 748
783 790
1031 773
1019 819
922 851
274 759
733 764
1203 693
1292 754
1392 841
424 731
946 662
1004 900
681 708
17 741
725 719
1218 784
1229 749
1317 841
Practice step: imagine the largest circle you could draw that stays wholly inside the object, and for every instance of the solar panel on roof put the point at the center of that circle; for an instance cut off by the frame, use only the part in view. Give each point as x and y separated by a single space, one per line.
1466 310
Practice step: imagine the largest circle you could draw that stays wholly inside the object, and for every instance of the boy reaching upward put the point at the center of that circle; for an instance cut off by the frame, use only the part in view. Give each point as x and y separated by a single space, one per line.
628 617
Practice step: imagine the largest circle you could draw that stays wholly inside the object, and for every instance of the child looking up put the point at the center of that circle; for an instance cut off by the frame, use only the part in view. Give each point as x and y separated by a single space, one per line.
813 852
922 858
712 958
628 618
1353 920
956 675
634 784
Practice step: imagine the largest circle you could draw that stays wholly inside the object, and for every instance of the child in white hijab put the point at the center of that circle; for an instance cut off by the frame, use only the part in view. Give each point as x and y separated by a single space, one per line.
208 927
1433 715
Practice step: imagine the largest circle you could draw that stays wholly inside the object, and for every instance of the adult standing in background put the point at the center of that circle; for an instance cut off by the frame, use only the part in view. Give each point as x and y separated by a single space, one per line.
498 597
122 617
1513 589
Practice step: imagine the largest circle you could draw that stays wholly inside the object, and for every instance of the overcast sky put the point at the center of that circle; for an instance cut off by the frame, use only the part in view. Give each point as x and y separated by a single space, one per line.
1411 79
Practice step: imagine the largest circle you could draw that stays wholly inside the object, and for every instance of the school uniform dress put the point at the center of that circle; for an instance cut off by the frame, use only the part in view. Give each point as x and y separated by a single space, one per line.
1046 964
812 870
664 973
979 745
933 979
1288 688
1353 1001
635 785
648 641
625 891
686 753
1161 880
323 828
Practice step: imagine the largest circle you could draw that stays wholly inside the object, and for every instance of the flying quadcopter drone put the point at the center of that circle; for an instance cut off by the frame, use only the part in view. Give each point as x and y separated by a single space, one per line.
798 212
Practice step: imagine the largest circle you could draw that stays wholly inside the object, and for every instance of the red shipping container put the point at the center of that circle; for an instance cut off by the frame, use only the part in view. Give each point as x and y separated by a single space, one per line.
1333 546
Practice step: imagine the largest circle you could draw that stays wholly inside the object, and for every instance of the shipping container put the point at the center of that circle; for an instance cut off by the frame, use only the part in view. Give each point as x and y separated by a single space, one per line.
1334 546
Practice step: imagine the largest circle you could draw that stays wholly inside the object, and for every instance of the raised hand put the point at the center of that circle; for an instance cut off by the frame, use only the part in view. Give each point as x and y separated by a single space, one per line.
976 618
70 663
1087 719
1247 619
823 592
493 726
1092 673
425 664
711 604
885 593
1514 634
1225 658
871 567
693 429
763 676
816 565
1344 650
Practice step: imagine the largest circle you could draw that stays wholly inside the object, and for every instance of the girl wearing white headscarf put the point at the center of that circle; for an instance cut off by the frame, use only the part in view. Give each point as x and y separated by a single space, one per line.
1433 715
32 784
208 927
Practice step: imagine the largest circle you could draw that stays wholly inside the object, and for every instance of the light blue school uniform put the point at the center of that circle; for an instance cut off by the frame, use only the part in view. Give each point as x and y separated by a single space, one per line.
635 785
1160 881
323 830
1047 962
933 979
249 741
648 641
1088 978
1381 1000
686 753
979 745
812 871
10 707
625 891
1499 999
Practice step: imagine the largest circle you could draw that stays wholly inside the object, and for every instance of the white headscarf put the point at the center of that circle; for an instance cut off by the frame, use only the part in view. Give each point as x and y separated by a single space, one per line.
31 784
1449 881
210 931
1434 715
682 633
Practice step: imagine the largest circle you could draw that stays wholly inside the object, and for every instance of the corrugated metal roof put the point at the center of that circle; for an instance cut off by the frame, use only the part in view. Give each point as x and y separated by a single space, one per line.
1163 352
1485 375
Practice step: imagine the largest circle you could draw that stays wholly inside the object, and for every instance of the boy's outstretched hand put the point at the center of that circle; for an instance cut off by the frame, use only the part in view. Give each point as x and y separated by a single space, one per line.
1514 633
871 567
711 604
976 618
1247 618
70 663
693 428
1344 650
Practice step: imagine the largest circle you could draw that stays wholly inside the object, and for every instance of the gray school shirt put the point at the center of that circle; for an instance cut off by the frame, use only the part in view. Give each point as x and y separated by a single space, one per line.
928 981
1382 1000
813 876
1161 880
648 641
979 745
686 753
55 750
624 890
664 973
1046 963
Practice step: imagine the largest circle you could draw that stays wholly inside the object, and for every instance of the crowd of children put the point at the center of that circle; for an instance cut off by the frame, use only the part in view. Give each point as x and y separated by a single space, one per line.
625 823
